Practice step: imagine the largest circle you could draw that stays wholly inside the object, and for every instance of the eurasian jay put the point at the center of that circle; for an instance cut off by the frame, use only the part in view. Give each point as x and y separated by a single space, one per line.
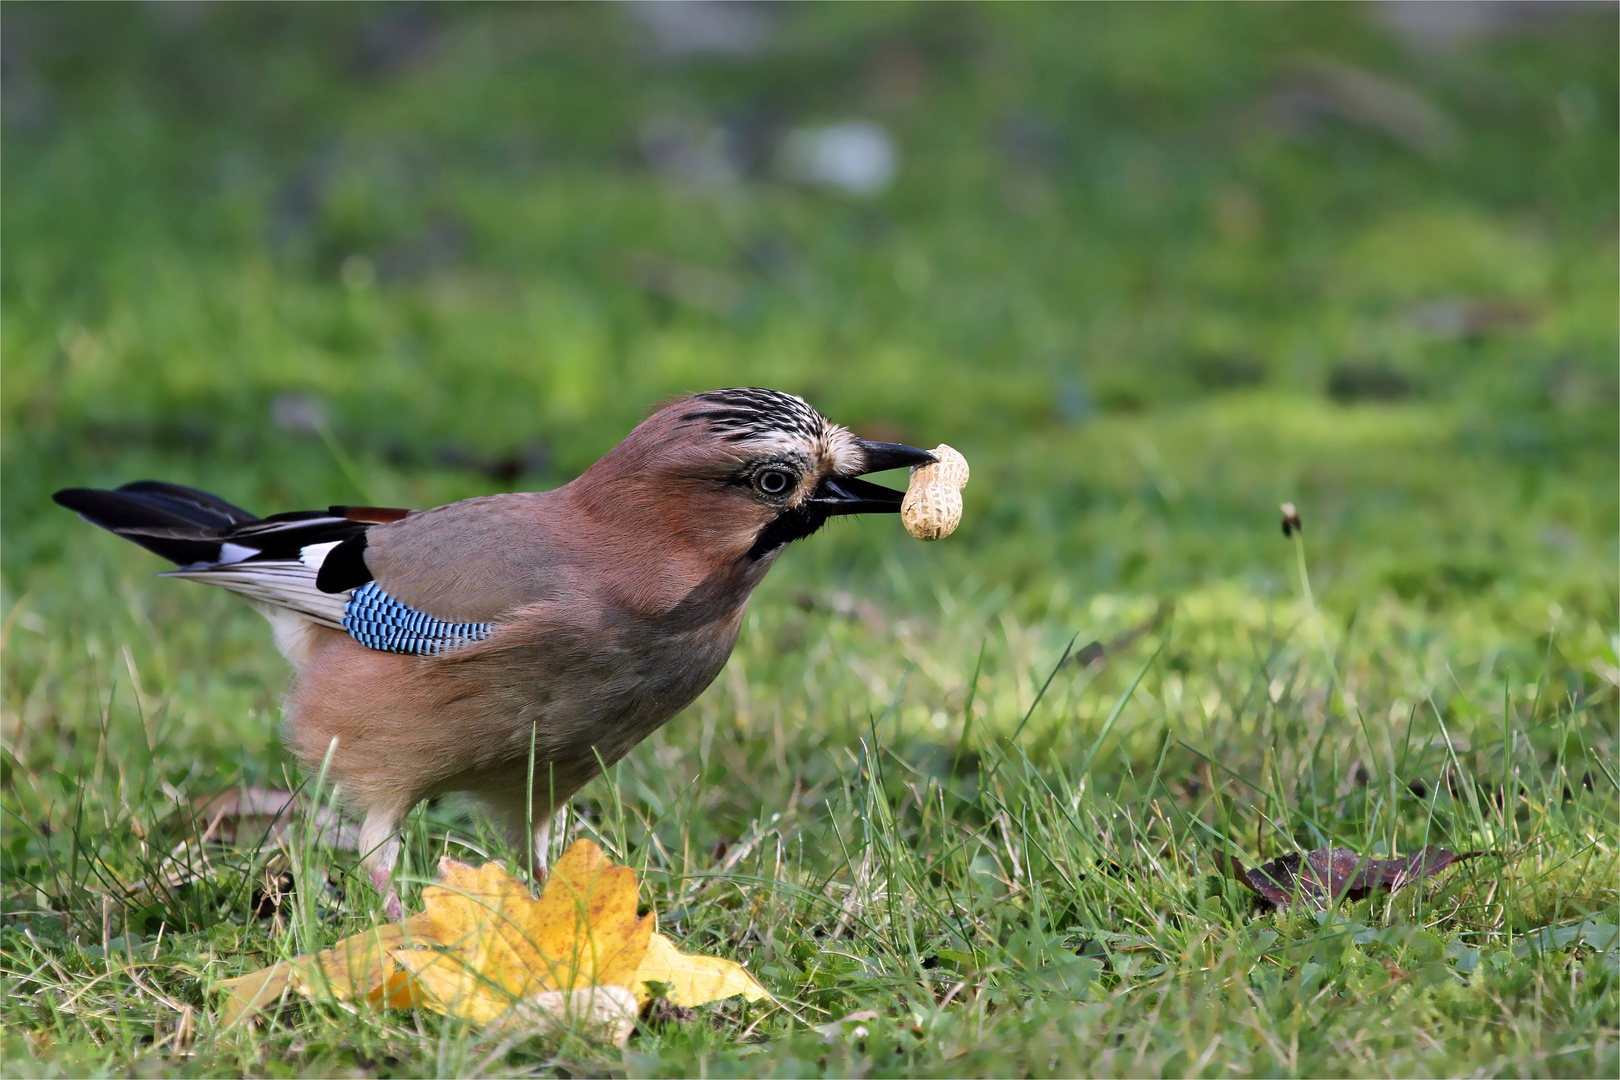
442 650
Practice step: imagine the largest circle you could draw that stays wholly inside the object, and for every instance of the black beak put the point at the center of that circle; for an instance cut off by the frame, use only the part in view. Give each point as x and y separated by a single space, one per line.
846 495
893 455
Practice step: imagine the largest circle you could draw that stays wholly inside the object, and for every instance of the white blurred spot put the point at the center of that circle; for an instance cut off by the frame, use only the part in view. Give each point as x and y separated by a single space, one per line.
858 157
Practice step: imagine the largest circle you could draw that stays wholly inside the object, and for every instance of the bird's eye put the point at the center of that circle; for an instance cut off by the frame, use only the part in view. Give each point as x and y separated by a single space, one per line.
773 481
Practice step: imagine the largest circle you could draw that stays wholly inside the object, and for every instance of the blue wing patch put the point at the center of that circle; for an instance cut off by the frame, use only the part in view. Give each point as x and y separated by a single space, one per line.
378 621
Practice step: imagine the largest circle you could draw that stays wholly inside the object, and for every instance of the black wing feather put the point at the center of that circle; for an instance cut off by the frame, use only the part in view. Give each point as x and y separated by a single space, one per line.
191 528
179 523
344 567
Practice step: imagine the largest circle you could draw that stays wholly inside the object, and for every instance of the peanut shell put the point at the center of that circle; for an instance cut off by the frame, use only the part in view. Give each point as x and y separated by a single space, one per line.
933 504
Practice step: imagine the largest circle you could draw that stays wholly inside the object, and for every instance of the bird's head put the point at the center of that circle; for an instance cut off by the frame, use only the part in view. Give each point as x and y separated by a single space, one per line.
750 470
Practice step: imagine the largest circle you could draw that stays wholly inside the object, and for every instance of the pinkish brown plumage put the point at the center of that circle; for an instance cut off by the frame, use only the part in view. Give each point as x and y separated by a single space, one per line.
430 650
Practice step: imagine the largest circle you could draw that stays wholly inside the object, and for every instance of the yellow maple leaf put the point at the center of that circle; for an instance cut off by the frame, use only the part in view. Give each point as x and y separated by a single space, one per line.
503 946
363 966
578 954
692 979
360 966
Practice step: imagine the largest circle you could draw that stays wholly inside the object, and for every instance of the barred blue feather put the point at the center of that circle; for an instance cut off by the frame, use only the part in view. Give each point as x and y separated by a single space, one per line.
378 621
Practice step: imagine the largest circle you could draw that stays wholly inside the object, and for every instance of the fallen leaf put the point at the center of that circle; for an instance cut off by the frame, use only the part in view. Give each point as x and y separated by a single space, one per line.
363 967
255 816
1320 877
247 994
487 951
606 1012
691 979
504 946
358 967
1588 933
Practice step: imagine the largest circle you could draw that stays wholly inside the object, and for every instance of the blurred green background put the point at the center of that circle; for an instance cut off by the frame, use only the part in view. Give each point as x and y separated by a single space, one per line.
1152 268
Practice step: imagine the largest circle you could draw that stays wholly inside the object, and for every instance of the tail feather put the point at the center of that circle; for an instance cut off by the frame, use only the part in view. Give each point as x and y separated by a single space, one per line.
181 524
200 506
305 561
190 527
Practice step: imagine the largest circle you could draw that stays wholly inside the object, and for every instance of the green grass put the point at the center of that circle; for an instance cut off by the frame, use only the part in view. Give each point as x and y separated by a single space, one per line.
1147 310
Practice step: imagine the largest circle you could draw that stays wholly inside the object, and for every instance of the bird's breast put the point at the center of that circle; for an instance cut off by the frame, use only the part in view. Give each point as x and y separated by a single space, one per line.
596 683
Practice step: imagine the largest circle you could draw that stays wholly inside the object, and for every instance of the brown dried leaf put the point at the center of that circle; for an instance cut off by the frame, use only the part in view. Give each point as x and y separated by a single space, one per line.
1321 877
254 816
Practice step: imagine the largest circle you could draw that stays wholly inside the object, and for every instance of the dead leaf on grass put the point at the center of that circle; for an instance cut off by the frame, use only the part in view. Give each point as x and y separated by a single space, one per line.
692 979
253 816
1319 878
503 945
358 967
487 951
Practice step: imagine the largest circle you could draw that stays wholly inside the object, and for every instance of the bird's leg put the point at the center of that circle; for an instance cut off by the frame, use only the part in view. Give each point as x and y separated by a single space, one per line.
542 847
520 836
379 844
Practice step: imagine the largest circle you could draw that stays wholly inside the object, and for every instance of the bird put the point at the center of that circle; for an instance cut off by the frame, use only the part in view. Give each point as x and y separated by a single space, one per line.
508 647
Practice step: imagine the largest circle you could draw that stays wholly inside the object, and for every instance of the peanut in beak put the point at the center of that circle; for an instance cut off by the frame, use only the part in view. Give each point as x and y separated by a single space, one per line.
933 505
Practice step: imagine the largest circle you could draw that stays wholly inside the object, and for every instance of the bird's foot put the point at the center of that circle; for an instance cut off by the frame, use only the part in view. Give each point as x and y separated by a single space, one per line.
383 881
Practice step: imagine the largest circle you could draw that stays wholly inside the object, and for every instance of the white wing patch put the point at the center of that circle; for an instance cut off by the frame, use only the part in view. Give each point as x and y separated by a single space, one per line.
314 555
